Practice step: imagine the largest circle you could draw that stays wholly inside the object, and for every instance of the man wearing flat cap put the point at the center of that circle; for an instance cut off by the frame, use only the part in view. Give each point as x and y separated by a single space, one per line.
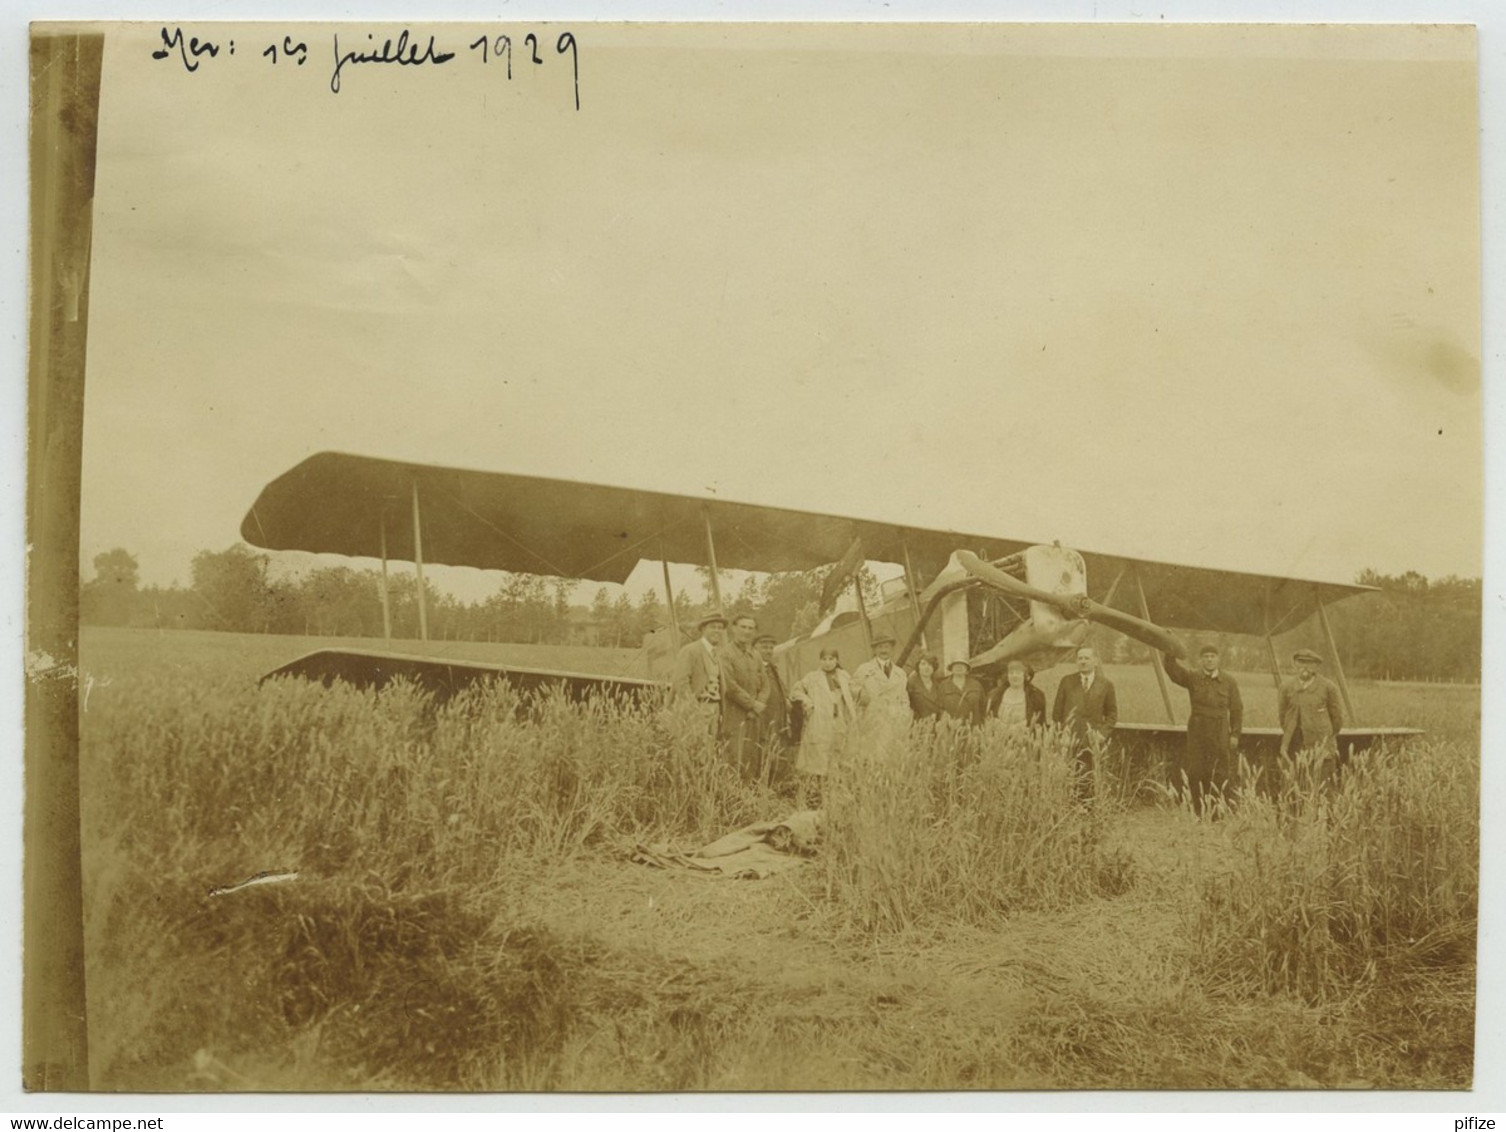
1213 725
881 687
1312 714
698 670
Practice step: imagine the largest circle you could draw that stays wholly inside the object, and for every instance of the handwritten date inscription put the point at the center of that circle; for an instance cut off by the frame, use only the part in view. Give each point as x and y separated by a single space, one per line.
407 49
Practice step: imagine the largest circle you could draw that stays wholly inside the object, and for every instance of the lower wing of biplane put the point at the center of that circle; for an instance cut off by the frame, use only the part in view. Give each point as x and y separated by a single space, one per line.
974 597
441 677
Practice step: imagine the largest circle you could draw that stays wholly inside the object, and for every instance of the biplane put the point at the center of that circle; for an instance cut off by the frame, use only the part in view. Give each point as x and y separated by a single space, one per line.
976 597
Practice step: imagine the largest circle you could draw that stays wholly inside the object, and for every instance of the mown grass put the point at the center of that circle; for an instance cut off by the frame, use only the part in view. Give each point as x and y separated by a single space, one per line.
465 918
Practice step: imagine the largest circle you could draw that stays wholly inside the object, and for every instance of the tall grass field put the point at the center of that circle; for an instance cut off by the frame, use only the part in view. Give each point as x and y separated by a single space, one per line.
467 915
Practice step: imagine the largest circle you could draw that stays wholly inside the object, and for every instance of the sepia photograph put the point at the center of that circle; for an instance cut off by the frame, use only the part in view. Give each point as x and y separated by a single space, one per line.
753 557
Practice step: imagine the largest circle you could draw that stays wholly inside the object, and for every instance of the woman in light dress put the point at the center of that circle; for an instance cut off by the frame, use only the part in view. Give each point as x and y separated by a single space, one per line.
825 697
1017 702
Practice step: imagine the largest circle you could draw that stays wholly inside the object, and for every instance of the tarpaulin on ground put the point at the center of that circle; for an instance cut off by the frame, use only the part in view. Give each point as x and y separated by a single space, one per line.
752 853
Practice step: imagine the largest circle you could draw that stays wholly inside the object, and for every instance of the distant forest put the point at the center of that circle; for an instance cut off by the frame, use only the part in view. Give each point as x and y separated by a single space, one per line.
1412 628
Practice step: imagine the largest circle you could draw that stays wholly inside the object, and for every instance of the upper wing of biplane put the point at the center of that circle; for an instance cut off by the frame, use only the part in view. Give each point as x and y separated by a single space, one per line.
365 507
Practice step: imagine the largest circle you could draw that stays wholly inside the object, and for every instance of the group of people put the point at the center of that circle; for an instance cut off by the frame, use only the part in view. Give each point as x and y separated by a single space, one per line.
738 681
758 719
1309 707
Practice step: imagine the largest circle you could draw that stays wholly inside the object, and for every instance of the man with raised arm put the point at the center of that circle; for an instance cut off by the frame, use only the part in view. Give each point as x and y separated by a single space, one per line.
1213 725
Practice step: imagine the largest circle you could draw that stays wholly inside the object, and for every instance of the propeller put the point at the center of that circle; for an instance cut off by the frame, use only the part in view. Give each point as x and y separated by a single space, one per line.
1078 606
1032 640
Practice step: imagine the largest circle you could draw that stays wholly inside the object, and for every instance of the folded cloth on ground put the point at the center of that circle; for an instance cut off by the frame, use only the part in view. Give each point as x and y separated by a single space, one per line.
752 853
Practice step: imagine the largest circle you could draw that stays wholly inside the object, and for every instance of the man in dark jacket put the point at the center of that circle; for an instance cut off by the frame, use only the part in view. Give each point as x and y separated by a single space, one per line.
1312 715
1085 700
744 698
1087 705
776 714
1213 726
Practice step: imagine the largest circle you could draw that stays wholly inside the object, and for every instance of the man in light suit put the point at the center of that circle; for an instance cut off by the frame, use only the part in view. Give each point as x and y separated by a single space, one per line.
882 691
698 671
1087 705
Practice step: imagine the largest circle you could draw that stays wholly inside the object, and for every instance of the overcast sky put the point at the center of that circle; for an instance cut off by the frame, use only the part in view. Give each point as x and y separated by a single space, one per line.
1206 295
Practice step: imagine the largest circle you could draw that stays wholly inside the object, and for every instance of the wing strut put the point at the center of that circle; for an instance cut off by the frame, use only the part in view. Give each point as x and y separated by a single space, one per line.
857 588
716 586
418 565
1338 666
1108 598
669 596
912 583
1270 642
1171 715
386 602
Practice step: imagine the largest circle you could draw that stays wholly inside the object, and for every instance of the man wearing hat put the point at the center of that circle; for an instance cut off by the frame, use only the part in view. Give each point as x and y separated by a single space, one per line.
1213 727
744 698
881 687
698 670
1312 714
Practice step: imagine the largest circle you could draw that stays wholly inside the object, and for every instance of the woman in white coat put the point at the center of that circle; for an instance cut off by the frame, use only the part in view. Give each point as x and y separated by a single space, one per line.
825 696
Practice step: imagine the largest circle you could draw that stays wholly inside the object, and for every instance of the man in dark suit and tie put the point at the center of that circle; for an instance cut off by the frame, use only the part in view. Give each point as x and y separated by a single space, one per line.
1087 706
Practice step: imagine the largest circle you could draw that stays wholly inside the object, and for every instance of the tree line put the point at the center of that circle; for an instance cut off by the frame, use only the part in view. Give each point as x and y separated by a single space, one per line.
236 590
1410 628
